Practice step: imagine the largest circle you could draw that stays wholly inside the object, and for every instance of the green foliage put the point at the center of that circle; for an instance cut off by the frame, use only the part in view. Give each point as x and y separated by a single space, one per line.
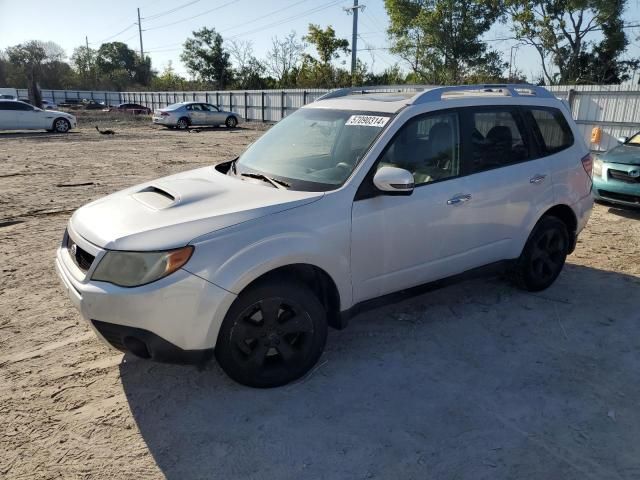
206 58
441 39
562 31
326 43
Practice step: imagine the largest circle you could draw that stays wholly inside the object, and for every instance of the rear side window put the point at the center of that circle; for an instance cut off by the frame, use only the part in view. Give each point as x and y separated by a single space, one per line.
498 138
552 129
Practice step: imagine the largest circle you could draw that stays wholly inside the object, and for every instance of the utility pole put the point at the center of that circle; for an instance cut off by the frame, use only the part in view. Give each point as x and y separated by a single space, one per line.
140 32
86 39
354 37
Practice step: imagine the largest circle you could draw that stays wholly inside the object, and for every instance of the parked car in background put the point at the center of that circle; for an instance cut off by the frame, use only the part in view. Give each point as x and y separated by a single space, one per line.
616 173
190 114
93 105
49 105
8 93
17 115
134 108
352 197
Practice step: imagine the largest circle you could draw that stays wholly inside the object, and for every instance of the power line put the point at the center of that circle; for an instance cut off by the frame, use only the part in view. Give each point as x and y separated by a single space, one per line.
114 35
263 16
167 12
194 16
289 19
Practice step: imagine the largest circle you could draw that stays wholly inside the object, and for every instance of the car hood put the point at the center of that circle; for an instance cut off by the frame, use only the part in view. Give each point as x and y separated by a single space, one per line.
172 211
57 112
624 154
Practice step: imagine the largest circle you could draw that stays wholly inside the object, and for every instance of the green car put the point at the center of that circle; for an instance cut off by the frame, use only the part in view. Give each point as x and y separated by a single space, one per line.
616 173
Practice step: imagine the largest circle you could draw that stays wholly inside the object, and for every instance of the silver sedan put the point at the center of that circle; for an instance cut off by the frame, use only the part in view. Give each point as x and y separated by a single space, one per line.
187 114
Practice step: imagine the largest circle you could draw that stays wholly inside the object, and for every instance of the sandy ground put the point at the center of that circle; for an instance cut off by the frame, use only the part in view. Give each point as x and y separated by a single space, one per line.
474 381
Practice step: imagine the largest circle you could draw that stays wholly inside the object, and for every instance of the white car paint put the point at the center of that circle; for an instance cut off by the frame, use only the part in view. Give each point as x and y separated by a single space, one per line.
16 115
368 247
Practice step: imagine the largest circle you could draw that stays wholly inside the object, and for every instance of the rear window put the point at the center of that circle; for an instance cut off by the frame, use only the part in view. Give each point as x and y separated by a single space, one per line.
554 132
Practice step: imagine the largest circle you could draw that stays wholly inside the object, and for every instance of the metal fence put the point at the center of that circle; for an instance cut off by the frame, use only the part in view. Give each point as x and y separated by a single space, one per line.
613 108
252 105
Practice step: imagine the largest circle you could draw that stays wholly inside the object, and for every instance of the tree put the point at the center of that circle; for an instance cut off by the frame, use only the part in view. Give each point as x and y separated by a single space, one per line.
327 44
320 72
283 57
441 39
117 62
29 59
168 80
249 72
206 59
562 33
83 60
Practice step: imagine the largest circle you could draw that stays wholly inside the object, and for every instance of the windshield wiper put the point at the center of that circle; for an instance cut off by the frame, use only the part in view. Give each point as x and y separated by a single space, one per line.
276 183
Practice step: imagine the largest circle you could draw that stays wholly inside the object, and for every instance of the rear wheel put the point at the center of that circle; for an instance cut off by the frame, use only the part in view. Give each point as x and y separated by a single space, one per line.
61 125
543 256
231 122
183 123
272 334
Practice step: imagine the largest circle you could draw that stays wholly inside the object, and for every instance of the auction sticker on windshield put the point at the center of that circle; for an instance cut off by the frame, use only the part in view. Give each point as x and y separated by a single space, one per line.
367 121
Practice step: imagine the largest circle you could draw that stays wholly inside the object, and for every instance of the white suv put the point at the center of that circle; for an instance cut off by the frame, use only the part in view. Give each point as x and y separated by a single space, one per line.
353 197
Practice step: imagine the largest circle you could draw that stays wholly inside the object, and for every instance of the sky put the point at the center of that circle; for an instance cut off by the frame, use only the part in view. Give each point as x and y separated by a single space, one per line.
167 23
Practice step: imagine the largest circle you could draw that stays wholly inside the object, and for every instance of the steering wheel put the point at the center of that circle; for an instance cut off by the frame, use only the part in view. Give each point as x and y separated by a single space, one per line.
343 165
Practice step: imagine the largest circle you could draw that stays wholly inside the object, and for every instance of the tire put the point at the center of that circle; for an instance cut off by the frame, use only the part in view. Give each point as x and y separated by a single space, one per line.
61 125
543 256
231 122
183 123
270 349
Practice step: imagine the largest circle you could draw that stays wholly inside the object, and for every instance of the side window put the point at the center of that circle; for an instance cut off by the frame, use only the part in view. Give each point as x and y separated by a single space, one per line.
497 139
428 146
554 131
22 106
210 108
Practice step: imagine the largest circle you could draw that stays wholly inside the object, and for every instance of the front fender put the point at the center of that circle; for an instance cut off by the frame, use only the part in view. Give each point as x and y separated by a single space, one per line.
236 257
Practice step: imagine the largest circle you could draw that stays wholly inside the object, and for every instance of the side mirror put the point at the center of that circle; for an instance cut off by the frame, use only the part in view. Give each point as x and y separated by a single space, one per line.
395 181
622 139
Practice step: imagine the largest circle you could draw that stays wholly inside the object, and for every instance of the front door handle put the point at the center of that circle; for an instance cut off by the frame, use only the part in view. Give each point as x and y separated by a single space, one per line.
458 199
537 179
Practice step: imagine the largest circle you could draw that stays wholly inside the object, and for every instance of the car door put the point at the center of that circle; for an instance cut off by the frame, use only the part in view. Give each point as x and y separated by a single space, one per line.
196 114
404 241
8 119
508 185
215 116
26 116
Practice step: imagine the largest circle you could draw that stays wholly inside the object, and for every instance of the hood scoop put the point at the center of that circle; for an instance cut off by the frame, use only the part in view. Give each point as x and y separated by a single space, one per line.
155 198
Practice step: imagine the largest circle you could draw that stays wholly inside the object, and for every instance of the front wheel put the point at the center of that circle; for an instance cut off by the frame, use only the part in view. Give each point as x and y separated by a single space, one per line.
231 122
543 255
183 123
272 334
60 125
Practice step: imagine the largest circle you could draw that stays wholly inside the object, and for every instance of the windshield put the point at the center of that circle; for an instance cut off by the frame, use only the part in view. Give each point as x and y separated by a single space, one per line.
635 140
313 149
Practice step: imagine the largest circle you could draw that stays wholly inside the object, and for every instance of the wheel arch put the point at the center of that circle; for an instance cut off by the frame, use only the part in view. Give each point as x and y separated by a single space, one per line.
53 123
566 214
312 276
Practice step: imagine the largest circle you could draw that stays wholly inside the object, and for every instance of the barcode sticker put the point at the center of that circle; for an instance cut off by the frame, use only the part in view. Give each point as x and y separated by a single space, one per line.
367 121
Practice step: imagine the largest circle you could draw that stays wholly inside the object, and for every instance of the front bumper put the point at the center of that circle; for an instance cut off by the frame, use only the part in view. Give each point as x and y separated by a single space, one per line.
618 192
173 319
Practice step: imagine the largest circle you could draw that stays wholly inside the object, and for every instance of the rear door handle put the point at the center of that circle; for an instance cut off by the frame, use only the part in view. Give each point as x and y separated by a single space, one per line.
537 179
458 199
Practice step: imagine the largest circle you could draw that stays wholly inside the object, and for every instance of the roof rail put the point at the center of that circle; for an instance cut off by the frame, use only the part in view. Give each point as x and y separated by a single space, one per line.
343 92
514 90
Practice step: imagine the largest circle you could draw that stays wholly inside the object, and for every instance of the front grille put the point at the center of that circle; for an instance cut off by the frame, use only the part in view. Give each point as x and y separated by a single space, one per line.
112 333
619 196
623 176
81 258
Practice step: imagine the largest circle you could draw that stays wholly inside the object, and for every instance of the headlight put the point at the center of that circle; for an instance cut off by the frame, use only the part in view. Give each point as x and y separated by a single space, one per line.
132 269
597 167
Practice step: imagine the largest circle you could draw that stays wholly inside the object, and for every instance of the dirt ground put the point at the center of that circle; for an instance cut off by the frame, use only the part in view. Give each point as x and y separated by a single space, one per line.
474 381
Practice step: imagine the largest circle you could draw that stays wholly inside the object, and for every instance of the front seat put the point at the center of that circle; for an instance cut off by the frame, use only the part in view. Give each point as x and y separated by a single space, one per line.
500 142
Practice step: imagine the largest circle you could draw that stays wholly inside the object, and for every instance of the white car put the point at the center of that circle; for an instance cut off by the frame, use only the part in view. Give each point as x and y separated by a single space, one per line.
194 114
352 197
16 115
